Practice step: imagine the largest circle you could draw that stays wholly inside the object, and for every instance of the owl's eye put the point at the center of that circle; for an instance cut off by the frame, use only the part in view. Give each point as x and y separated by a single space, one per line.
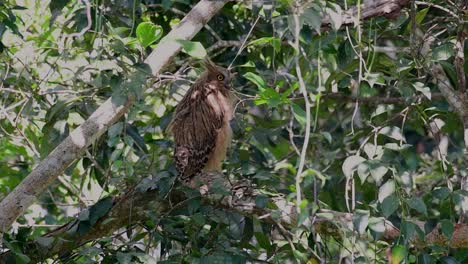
220 77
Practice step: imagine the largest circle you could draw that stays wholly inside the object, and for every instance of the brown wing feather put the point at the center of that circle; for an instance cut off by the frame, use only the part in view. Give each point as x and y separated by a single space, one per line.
195 127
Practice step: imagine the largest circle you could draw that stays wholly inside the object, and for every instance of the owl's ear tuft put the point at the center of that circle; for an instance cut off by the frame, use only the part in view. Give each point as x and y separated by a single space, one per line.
209 65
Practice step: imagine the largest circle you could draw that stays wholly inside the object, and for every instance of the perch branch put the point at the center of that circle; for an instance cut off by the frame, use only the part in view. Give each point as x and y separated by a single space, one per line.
131 208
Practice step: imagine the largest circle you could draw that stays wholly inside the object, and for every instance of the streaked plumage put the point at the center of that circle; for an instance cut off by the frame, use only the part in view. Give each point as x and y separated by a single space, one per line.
201 123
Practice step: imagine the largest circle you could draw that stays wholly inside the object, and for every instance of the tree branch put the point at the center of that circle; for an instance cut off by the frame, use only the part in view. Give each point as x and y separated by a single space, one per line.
387 8
130 209
382 100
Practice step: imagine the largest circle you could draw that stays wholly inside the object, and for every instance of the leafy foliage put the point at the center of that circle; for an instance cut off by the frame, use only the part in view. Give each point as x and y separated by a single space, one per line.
398 160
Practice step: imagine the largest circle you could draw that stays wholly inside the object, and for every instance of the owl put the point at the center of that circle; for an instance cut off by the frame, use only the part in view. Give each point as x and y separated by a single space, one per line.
200 124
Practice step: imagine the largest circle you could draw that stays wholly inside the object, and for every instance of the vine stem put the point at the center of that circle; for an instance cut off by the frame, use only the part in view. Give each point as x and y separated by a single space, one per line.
303 90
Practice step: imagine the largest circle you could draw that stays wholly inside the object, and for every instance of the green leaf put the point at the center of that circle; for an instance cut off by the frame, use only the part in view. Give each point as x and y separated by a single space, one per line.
193 49
345 56
447 228
124 258
448 260
443 52
300 256
363 171
327 136
393 132
424 258
83 215
421 87
256 79
21 258
409 229
417 204
147 33
274 42
361 220
57 5
305 214
115 130
313 18
377 224
269 96
261 201
387 189
421 15
350 165
398 254
299 114
378 172
389 205
45 242
375 78
263 240
335 14
248 64
373 151
100 209
441 193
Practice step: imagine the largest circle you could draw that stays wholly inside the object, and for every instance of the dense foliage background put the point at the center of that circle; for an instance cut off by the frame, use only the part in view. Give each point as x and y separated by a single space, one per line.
383 142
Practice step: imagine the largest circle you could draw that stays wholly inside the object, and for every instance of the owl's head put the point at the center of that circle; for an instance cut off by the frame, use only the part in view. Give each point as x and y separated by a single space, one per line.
217 74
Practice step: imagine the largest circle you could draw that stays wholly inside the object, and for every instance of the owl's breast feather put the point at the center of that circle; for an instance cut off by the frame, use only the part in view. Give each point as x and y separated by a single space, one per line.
221 105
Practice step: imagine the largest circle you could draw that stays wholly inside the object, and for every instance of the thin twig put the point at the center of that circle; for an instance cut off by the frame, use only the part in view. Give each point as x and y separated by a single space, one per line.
88 17
245 41
305 94
421 3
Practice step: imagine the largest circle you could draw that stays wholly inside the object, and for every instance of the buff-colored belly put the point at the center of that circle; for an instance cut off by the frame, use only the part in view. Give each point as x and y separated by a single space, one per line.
223 141
224 135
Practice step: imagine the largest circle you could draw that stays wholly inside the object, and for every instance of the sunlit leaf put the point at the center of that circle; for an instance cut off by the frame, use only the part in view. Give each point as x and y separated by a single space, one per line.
418 204
351 164
313 18
274 42
393 132
398 254
377 224
443 52
361 220
147 33
194 49
420 87
378 172
299 114
447 228
256 79
389 205
387 189
335 14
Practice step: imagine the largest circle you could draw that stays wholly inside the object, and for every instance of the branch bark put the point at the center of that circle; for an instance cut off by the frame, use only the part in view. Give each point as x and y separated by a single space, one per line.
387 8
17 201
459 102
130 209
382 100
